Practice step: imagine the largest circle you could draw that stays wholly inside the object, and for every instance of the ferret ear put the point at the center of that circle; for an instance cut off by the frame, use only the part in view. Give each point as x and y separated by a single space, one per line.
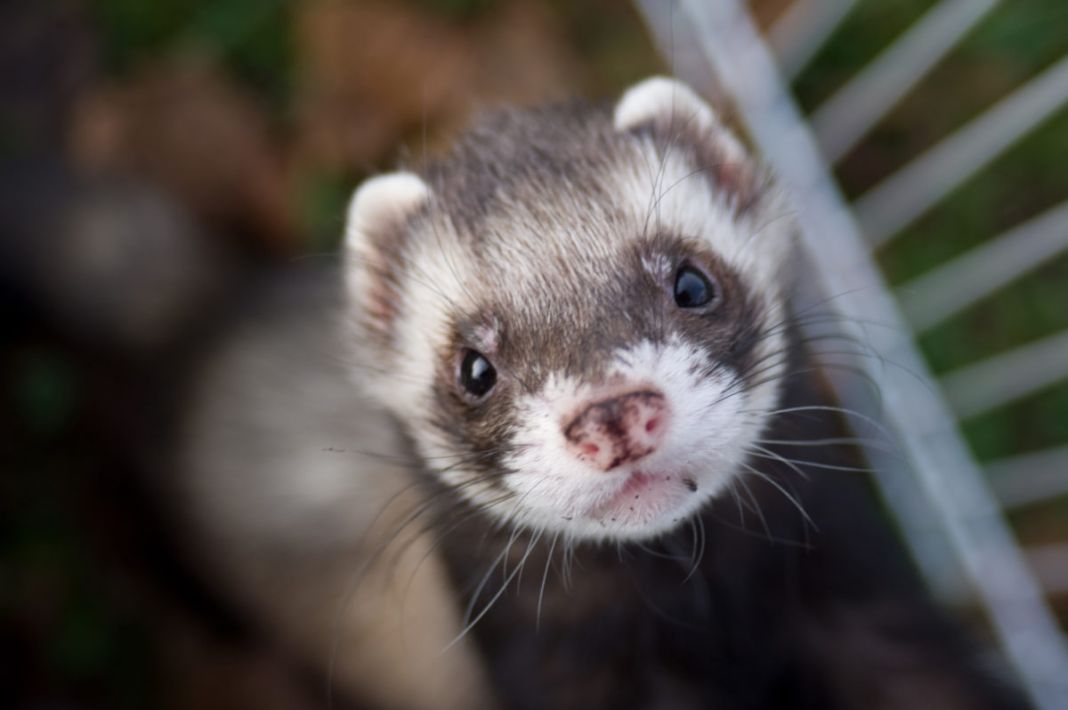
674 112
381 205
375 235
662 102
668 106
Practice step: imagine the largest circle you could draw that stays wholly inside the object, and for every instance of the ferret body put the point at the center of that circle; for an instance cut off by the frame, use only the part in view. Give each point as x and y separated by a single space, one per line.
558 445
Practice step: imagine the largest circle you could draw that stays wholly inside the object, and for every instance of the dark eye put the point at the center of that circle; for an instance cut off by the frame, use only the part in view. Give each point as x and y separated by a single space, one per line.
692 288
477 375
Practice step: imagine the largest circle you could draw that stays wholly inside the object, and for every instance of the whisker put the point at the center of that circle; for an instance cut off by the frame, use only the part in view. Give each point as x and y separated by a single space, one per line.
775 484
493 600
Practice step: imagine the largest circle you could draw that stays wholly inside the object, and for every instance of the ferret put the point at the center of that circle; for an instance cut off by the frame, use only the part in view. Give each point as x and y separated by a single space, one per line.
558 444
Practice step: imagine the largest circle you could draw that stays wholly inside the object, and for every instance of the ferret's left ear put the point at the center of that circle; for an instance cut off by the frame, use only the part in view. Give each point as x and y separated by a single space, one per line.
678 117
670 107
662 101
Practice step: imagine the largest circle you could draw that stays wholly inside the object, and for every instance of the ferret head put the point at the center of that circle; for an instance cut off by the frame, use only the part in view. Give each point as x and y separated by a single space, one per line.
578 314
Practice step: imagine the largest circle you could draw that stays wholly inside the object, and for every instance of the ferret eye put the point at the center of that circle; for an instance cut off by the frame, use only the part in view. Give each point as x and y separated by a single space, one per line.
477 375
692 288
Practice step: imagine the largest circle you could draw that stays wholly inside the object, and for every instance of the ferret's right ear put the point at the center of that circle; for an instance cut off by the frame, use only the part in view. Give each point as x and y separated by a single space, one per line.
375 236
381 205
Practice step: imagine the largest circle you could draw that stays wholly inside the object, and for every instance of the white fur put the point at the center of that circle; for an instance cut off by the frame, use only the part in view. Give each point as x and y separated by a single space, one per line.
706 440
379 201
658 266
426 308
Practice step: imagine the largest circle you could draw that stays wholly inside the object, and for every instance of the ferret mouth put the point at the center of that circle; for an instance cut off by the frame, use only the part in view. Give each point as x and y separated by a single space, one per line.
644 497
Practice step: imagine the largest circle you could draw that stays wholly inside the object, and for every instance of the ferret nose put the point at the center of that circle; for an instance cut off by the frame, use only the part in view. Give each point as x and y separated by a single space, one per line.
620 430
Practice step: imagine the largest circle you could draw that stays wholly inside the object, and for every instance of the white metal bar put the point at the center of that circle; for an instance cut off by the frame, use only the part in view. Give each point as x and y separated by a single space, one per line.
900 199
680 48
989 384
803 28
841 121
742 63
1030 478
935 296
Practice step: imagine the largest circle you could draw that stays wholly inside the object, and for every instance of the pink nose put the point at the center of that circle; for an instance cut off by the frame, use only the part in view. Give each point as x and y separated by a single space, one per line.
619 430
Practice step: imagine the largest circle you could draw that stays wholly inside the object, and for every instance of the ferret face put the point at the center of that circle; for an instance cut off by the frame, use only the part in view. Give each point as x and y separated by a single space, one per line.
579 314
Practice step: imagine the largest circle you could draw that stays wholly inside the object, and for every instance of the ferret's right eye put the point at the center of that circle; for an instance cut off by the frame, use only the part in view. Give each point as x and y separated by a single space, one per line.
477 374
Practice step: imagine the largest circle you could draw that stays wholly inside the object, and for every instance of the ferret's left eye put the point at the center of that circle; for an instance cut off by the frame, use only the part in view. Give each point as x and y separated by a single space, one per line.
477 376
692 288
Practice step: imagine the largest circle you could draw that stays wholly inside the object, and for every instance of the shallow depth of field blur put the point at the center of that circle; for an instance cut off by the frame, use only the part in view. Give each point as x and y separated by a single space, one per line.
158 158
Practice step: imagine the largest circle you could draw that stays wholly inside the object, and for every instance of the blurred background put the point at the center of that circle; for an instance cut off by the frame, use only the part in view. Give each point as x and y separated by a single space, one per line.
158 160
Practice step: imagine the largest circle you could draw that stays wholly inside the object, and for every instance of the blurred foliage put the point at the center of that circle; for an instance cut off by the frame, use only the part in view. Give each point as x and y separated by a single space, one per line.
322 201
44 393
871 25
456 8
252 36
1027 33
